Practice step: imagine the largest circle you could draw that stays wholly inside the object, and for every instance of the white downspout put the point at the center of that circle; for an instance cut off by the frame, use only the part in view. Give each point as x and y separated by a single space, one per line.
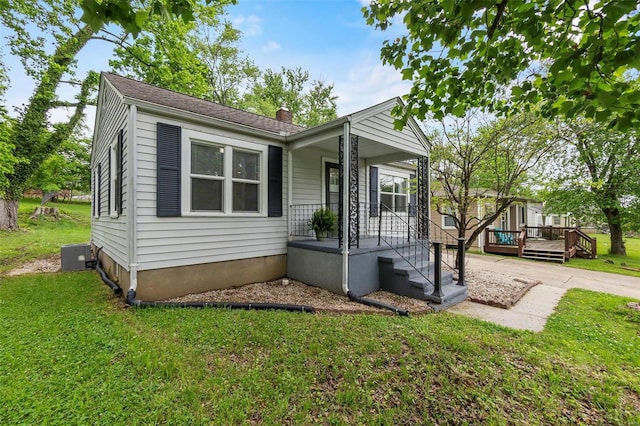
133 185
346 163
289 189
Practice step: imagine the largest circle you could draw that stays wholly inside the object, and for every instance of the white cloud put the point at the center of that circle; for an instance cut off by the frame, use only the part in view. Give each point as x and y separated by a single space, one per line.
271 46
249 25
367 82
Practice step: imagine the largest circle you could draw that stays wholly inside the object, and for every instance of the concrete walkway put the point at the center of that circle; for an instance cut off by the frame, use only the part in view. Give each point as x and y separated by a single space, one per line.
531 312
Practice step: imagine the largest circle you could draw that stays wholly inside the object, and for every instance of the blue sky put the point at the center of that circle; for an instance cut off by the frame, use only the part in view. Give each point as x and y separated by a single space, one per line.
329 38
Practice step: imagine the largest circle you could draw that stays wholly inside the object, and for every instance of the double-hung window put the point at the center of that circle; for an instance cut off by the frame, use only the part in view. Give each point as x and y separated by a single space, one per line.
394 192
207 177
246 181
225 178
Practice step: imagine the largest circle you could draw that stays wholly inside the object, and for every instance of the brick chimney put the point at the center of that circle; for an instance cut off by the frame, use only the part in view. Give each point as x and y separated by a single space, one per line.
284 115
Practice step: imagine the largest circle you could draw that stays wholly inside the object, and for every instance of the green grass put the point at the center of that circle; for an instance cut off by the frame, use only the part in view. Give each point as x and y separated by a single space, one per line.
632 259
44 236
71 354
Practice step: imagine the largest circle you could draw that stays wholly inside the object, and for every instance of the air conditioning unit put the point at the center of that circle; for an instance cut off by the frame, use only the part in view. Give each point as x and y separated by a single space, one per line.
76 257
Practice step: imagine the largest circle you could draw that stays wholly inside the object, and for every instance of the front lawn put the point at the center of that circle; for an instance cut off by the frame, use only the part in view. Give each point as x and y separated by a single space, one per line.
70 353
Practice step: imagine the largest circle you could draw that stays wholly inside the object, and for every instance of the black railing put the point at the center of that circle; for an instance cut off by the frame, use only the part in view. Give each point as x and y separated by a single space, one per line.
300 218
398 233
418 240
453 252
417 248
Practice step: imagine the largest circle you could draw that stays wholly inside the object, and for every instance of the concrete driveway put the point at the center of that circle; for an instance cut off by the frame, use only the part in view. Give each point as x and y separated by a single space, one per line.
532 311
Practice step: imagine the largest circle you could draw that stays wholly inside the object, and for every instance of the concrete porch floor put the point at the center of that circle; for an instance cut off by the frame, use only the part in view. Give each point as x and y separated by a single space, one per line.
330 245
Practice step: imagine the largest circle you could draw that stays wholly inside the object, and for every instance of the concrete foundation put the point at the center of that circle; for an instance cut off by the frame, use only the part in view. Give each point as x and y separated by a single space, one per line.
320 264
159 284
165 283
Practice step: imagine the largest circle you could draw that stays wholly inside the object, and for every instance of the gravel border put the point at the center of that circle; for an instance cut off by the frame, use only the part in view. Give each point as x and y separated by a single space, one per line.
484 287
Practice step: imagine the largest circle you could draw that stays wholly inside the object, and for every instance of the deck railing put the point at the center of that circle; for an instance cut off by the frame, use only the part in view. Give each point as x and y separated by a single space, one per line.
580 243
547 232
498 237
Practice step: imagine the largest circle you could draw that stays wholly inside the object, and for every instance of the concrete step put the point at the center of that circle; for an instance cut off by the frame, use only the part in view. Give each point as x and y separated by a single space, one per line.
451 295
400 277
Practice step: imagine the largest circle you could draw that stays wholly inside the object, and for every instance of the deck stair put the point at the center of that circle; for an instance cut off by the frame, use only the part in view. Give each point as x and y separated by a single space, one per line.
549 255
415 278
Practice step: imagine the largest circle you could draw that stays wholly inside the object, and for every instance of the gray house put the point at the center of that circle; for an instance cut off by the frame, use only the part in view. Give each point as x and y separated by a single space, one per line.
190 196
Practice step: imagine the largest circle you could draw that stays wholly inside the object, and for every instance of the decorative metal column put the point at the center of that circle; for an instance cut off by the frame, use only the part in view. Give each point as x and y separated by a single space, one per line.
353 233
354 195
423 197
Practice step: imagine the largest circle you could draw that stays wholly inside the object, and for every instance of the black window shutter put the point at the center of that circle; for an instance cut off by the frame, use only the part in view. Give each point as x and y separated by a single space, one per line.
413 200
373 192
168 169
94 184
119 160
275 181
98 189
109 183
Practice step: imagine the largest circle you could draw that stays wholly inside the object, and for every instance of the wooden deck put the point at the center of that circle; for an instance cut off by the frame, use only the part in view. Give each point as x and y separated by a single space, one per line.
562 244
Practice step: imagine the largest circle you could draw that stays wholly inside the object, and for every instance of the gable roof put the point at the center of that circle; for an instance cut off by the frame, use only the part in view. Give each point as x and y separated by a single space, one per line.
146 92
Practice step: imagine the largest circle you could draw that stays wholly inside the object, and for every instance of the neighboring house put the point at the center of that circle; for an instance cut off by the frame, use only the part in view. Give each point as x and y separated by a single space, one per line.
523 212
189 195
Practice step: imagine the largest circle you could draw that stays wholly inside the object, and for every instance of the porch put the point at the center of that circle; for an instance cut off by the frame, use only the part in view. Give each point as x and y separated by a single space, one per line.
403 253
556 244
375 179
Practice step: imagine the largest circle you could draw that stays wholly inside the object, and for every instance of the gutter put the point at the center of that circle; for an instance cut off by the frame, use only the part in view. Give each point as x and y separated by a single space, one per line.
203 119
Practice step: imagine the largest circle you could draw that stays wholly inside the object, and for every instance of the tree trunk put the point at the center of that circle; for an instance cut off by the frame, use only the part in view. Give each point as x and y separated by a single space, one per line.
613 219
8 214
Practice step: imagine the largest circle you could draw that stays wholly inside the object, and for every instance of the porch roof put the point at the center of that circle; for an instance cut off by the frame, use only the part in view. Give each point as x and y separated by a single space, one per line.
379 141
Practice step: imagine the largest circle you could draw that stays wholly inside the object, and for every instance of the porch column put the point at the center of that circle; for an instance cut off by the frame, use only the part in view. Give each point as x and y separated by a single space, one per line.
424 207
353 200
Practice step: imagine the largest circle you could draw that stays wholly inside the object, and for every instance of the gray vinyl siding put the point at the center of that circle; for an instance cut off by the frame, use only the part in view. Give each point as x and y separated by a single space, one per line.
111 233
380 126
307 176
188 240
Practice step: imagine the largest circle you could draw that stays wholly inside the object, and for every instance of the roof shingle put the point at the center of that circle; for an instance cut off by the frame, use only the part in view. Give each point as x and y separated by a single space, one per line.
146 92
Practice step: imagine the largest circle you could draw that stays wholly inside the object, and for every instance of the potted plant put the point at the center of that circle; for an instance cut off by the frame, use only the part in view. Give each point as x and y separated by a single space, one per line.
323 222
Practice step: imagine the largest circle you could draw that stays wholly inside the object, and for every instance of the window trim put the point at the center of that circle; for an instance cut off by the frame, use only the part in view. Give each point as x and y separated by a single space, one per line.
229 145
96 192
406 176
443 219
114 176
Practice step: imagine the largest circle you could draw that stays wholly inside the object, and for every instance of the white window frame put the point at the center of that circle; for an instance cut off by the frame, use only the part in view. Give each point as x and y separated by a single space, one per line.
113 179
96 192
449 213
229 145
391 173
